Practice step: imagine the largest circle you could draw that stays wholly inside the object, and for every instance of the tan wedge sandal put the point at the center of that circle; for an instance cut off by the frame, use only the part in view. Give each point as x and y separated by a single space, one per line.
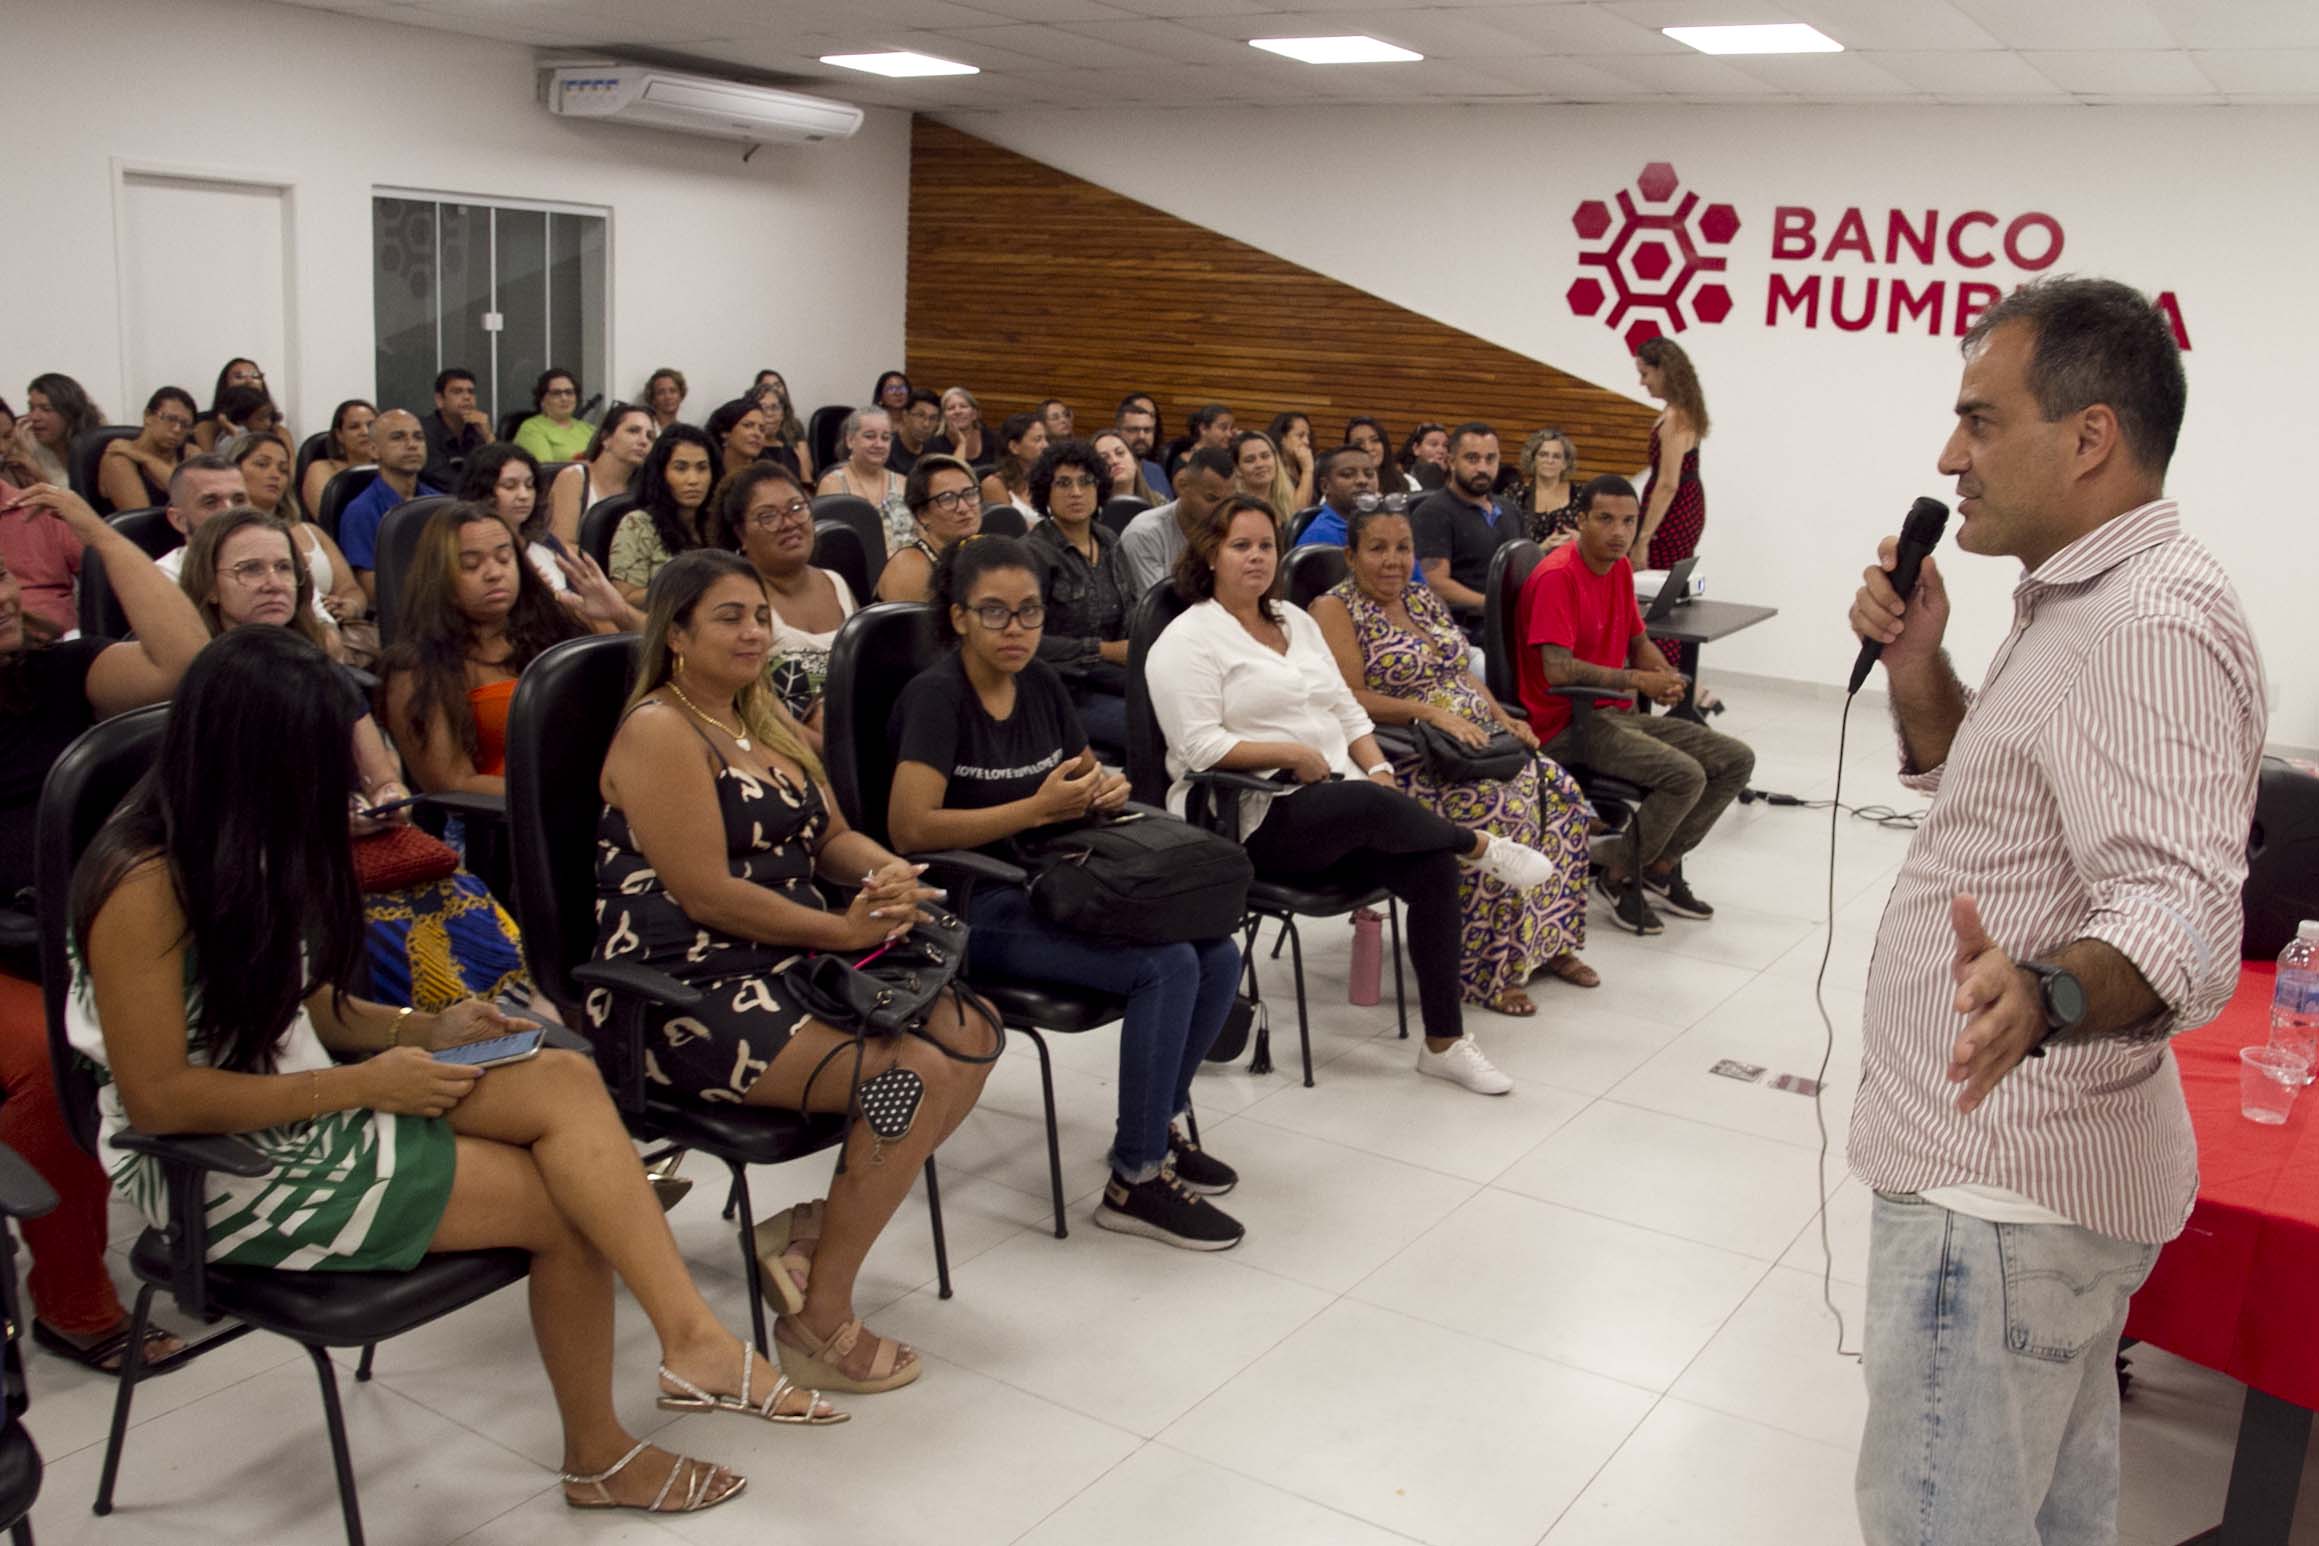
819 1360
688 1397
701 1489
783 1266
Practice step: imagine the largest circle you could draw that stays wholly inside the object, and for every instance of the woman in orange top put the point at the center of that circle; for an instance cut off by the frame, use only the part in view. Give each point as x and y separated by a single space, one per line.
477 615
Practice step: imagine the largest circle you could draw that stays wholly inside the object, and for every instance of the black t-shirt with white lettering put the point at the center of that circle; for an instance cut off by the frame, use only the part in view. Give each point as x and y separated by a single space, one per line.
940 721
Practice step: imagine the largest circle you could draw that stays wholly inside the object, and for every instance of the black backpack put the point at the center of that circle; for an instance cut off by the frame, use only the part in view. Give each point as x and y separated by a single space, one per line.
1137 879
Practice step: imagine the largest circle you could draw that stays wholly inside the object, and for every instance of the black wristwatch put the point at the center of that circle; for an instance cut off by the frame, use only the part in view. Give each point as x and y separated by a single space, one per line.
2061 996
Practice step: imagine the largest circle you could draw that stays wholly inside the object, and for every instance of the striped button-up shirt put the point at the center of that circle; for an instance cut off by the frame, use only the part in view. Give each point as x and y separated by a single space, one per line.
2102 787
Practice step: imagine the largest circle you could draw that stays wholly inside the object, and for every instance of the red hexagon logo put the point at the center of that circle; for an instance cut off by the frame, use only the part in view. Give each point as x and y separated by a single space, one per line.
1651 259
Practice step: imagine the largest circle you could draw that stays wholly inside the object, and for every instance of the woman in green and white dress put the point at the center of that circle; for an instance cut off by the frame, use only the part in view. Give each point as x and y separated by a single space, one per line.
217 922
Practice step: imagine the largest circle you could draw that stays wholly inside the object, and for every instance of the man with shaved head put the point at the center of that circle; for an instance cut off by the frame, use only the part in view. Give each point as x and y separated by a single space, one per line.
400 445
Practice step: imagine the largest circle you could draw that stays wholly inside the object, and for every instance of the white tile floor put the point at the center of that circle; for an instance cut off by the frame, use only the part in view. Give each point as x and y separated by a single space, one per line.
1586 1314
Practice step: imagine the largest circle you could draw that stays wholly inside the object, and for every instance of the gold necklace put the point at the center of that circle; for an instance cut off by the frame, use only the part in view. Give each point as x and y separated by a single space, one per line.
739 739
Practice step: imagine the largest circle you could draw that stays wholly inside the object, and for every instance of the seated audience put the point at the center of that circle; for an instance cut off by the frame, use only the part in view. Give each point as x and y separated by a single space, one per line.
474 615
785 438
1459 528
1425 456
1257 471
1291 436
347 444
340 606
942 500
738 428
716 825
1138 424
401 445
55 411
915 429
664 393
1579 626
224 1018
134 474
7 424
1405 659
51 691
963 433
1057 416
215 422
1347 476
1546 497
1021 438
1244 682
618 448
1084 640
1210 425
867 437
672 513
456 430
771 521
989 747
242 410
892 393
1150 545
1370 436
42 556
552 434
1129 473
505 477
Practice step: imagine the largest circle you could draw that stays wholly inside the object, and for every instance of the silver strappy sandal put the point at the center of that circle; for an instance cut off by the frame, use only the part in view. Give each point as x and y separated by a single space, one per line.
701 1489
691 1398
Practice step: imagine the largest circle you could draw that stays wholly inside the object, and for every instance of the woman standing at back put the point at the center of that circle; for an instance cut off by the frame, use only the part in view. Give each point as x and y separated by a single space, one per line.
1674 500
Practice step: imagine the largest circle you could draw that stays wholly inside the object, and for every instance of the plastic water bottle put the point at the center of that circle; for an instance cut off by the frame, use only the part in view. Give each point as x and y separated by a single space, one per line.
1362 981
2295 1002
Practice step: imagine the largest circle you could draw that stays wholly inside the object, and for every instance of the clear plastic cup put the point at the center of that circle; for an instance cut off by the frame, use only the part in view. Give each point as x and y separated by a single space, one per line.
2269 1078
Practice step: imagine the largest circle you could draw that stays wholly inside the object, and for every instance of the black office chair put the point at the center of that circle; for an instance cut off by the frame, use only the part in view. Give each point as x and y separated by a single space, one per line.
399 531
548 473
1213 802
821 435
1119 509
1614 799
1312 570
875 655
566 710
868 522
342 490
23 1195
311 450
101 616
599 523
316 1310
1003 521
837 547
1293 530
83 455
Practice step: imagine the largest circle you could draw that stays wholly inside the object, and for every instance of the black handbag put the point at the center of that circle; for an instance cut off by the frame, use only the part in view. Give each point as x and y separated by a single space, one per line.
1445 759
1137 879
886 991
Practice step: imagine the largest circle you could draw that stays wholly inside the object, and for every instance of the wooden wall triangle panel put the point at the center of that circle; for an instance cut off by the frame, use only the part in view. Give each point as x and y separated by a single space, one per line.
1027 283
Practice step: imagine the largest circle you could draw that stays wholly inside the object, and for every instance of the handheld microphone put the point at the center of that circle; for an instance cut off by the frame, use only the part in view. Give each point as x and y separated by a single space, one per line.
1919 535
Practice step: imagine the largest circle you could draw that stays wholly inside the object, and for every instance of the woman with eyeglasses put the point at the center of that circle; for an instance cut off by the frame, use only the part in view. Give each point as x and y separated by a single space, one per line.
618 448
1085 639
868 438
988 746
346 445
947 509
134 474
552 434
785 439
892 392
339 603
772 524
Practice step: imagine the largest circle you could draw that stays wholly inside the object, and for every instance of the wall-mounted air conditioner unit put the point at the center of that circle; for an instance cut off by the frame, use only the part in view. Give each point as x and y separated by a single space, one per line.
655 98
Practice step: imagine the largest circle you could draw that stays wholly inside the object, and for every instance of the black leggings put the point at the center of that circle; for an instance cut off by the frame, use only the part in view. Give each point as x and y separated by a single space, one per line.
1364 834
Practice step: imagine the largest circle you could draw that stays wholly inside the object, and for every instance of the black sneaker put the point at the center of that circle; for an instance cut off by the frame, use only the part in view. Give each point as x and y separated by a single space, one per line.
1633 912
1160 1209
1675 894
1196 1168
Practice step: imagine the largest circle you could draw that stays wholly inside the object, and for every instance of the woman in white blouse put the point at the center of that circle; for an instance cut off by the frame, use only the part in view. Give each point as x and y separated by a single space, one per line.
1244 682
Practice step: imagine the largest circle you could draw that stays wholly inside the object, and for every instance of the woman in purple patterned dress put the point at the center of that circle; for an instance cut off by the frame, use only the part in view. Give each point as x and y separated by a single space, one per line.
1405 659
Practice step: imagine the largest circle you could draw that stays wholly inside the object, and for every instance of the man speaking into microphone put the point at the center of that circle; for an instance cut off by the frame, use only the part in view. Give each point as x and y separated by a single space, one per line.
2070 902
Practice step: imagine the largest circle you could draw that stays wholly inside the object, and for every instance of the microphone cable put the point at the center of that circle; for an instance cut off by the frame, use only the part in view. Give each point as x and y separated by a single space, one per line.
1835 805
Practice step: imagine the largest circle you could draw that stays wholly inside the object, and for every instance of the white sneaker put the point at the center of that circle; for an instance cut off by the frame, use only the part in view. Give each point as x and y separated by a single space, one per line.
1464 1064
1516 864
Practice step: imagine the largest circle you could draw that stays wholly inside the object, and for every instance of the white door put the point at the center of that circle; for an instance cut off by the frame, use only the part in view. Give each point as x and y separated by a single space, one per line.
202 282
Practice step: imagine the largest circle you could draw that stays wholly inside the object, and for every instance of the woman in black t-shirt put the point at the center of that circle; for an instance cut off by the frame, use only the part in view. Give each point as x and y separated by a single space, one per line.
989 746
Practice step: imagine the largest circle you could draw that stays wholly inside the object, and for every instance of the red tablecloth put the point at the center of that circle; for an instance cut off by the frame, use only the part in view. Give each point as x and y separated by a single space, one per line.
2238 1291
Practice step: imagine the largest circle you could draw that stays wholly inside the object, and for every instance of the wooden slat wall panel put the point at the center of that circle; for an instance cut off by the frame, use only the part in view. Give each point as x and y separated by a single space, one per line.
1026 283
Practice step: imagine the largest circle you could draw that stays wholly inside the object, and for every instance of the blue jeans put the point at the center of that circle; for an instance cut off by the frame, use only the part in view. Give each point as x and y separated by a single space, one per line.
1103 715
1177 998
1990 1354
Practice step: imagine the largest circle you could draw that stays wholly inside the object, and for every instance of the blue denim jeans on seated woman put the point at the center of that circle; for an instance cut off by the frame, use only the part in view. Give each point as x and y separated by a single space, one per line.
1991 1354
1177 998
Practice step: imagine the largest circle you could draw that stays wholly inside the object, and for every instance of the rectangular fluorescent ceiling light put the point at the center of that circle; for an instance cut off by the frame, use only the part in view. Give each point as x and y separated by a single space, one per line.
899 63
1357 49
1787 37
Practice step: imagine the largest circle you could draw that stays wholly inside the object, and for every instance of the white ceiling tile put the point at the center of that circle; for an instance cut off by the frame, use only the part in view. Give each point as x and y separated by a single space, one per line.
2273 99
1578 29
1570 80
2071 24
1694 76
1824 77
1654 14
1175 8
1437 34
1051 10
2262 71
2123 72
1871 25
1961 75
1046 45
2240 23
1163 42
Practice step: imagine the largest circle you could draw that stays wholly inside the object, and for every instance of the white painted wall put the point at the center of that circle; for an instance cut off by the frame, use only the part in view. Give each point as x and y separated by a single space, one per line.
1821 438
793 260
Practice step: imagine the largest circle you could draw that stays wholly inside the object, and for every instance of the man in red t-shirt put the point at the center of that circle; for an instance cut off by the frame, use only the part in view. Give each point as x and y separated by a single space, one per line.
1578 625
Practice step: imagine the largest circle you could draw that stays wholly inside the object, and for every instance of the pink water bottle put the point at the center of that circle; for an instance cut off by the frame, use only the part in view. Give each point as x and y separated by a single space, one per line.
1362 982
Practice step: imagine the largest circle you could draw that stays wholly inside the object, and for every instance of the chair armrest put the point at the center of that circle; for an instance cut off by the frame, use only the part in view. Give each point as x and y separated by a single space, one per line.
1227 778
23 1194
629 980
477 807
619 1046
185 1159
221 1152
974 866
18 930
1579 692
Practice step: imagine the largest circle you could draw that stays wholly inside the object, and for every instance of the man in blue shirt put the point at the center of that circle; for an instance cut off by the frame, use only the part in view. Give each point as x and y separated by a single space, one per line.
1345 475
400 445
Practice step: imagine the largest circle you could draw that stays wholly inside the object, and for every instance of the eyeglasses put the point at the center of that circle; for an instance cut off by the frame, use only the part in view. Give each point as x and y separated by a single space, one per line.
1080 485
995 615
173 420
256 571
796 512
561 392
952 499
